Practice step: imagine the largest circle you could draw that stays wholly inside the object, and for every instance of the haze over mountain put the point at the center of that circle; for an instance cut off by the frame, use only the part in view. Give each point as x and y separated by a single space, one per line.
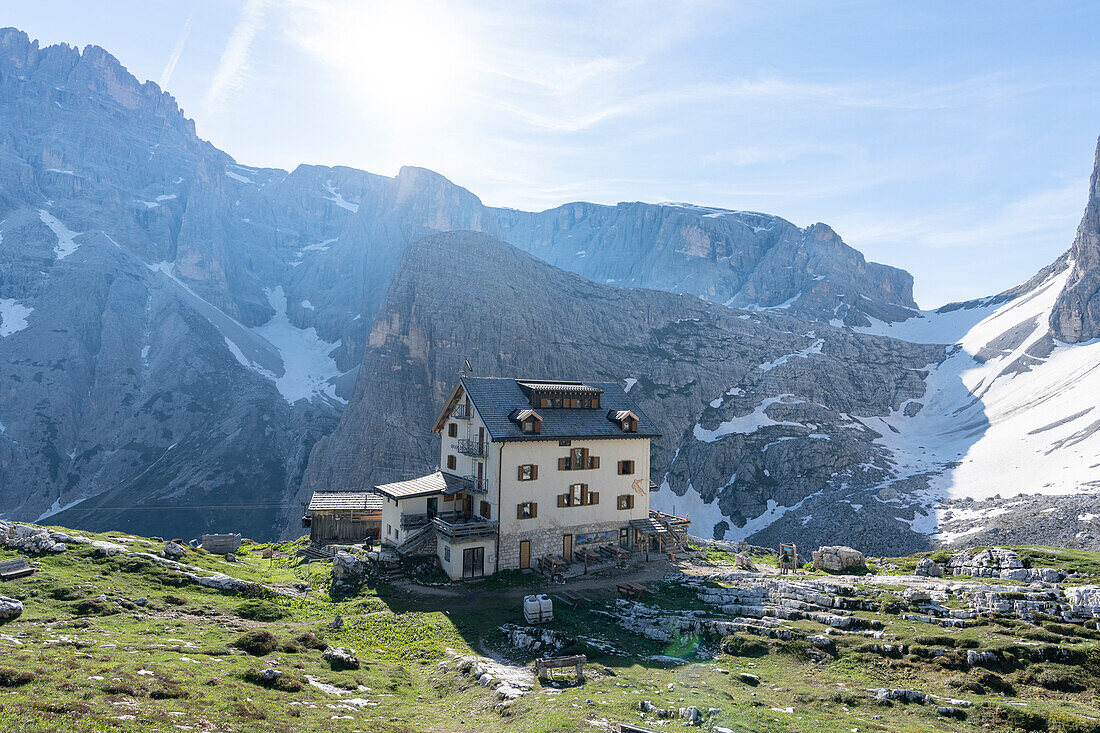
178 331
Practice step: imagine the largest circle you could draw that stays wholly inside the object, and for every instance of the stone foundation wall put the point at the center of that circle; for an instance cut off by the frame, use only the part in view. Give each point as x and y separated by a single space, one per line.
548 541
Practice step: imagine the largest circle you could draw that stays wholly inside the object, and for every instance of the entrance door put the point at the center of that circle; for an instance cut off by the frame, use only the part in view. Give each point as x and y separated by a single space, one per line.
473 562
567 547
433 506
624 537
524 554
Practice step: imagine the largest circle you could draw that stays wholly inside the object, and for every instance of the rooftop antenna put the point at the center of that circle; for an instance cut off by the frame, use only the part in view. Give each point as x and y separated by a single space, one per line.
469 369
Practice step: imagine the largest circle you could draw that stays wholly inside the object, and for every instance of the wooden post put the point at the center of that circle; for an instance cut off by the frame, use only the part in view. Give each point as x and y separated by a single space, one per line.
586 563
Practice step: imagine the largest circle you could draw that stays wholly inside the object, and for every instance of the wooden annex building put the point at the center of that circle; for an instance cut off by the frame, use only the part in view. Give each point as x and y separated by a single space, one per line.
343 517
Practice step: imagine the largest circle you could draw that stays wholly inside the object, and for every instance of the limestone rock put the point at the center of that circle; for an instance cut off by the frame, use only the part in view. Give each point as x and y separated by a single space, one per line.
744 562
926 566
340 658
838 559
174 551
10 608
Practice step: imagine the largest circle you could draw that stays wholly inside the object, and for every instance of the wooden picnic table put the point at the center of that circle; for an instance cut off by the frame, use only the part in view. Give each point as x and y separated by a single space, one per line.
630 589
573 599
552 564
15 568
544 664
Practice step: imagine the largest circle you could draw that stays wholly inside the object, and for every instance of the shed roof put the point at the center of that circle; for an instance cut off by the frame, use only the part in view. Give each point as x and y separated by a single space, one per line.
336 500
497 398
433 483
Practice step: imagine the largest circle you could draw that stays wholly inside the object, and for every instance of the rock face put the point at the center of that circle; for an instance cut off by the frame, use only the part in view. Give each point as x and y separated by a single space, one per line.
1076 314
703 370
177 329
927 567
838 559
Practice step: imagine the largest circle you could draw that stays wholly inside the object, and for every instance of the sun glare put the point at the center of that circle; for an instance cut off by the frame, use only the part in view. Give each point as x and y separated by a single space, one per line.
404 59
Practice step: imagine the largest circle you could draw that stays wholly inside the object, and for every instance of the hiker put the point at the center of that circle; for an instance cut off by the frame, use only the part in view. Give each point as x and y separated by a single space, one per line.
784 563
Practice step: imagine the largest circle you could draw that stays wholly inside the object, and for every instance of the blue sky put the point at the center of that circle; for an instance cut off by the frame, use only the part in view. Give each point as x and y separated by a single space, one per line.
952 139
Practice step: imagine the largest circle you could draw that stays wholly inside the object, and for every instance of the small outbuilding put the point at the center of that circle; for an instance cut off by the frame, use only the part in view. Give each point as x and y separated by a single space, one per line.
343 517
221 544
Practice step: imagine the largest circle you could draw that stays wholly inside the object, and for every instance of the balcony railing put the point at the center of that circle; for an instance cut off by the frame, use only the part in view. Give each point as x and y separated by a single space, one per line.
461 412
476 485
474 448
464 529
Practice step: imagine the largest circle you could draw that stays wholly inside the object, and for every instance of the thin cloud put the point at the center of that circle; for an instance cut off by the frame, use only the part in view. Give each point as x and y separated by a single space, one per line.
181 39
233 67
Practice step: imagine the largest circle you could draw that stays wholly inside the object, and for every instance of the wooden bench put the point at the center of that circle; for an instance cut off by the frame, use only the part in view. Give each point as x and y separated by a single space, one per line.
543 665
630 589
15 568
573 599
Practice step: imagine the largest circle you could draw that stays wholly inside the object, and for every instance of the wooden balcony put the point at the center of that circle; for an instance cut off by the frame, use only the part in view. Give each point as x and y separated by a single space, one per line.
463 530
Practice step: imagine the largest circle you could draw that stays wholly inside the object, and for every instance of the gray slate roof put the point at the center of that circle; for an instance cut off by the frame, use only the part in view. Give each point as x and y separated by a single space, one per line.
433 483
335 500
496 398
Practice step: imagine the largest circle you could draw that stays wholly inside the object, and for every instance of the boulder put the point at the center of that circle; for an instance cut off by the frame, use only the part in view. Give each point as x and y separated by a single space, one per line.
173 551
838 559
744 562
347 568
270 675
10 608
339 658
928 568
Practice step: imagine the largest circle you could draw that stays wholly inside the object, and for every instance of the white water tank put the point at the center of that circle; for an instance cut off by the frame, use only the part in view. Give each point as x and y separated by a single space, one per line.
546 606
532 609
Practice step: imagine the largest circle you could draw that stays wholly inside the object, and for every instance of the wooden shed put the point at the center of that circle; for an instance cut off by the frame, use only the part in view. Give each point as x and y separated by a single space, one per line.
343 517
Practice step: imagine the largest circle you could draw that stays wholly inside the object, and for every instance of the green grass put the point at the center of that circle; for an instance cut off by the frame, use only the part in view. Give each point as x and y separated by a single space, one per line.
124 644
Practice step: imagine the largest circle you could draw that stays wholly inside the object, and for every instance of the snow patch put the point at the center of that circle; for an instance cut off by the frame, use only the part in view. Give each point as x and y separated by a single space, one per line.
66 243
750 423
309 370
630 382
336 198
814 348
13 316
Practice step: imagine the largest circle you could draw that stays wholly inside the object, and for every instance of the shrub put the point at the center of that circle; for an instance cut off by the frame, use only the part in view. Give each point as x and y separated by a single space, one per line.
1052 679
175 600
12 678
120 689
95 607
965 683
936 640
311 641
993 681
738 646
258 610
257 642
168 691
283 683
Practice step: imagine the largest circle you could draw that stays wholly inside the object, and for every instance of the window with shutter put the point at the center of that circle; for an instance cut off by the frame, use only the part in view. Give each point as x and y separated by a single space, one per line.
527 510
563 464
451 462
626 501
485 510
528 472
452 430
578 494
626 468
563 500
593 498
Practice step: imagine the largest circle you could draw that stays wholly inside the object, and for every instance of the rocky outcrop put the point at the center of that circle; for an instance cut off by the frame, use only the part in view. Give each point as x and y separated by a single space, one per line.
1076 314
838 559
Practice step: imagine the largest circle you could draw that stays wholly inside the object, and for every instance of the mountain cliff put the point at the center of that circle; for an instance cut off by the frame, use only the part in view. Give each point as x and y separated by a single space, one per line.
754 406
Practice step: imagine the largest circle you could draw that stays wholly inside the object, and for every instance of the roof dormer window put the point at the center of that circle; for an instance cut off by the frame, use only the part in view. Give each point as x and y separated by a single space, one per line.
627 420
528 420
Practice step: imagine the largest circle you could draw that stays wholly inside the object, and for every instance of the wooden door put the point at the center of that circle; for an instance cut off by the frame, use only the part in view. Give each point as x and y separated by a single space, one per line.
433 506
524 554
567 547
